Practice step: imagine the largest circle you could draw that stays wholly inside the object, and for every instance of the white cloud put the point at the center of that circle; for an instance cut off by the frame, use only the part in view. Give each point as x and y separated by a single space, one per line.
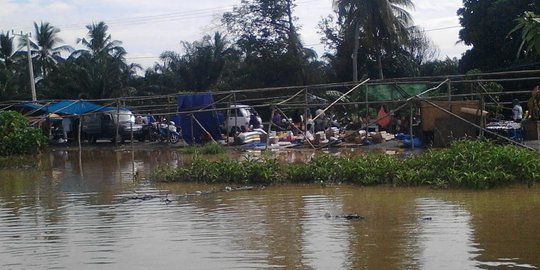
7 8
59 7
148 28
428 6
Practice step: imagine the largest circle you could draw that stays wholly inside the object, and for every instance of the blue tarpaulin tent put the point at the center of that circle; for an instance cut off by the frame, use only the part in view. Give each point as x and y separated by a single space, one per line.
69 107
209 119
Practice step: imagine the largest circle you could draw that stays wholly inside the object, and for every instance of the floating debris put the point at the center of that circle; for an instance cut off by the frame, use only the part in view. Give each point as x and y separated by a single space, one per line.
144 197
346 216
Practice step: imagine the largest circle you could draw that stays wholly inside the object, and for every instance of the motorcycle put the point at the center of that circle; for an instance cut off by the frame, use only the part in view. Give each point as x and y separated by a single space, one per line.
342 123
164 132
345 121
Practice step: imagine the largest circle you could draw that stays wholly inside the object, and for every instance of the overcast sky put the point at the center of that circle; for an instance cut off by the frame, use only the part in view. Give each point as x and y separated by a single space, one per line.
148 28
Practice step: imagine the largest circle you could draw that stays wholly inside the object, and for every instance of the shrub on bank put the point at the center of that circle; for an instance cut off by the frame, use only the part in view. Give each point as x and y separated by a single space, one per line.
465 164
226 171
17 137
206 149
471 164
365 170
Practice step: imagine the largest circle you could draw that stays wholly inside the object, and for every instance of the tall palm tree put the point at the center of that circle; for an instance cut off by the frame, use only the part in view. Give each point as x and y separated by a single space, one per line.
382 23
6 49
13 77
103 69
46 47
99 41
201 66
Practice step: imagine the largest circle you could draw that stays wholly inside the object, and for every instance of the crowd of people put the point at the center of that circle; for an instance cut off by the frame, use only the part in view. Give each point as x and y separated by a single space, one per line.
327 125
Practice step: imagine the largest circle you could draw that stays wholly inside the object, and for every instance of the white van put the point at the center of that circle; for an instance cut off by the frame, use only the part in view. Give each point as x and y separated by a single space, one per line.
237 118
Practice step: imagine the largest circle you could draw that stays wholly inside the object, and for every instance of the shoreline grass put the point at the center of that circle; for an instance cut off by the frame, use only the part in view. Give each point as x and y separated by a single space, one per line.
465 164
206 149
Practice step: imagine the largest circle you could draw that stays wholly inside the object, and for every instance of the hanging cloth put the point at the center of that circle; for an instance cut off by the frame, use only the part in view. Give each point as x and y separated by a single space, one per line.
384 118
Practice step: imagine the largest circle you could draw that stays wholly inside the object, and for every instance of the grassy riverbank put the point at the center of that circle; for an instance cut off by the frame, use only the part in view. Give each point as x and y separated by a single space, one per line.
465 164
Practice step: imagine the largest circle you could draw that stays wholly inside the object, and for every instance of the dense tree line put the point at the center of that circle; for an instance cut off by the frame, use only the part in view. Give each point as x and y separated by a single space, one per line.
487 26
262 47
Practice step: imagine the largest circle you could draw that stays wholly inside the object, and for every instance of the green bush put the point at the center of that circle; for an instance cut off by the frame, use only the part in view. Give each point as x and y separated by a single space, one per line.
319 169
465 164
207 149
17 137
225 171
471 164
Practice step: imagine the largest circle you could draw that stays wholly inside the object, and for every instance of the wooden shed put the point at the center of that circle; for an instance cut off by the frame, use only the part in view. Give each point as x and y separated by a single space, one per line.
443 127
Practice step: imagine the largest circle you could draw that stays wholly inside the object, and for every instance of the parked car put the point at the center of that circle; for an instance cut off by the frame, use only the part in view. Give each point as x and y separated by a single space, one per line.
102 125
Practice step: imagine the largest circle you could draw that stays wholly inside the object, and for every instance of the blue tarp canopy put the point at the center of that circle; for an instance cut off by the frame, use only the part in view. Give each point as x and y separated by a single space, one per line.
68 107
209 119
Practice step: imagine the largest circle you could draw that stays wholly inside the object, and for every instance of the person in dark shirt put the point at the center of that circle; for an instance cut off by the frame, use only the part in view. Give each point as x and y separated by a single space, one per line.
276 120
254 122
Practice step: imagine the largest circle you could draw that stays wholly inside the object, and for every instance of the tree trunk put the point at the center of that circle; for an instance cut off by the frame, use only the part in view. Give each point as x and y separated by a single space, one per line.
294 44
355 52
379 65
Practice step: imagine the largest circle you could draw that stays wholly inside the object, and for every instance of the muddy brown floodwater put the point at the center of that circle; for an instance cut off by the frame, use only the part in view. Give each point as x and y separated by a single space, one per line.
97 209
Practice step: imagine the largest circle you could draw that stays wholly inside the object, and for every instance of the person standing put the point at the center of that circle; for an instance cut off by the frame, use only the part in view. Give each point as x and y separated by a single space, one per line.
276 121
517 111
254 122
66 127
310 124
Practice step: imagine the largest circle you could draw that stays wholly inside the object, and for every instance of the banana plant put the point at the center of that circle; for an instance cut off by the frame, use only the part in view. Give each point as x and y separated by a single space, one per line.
529 24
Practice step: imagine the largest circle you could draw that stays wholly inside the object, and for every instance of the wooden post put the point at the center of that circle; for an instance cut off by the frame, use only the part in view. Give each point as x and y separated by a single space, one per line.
482 116
270 127
192 132
168 130
116 139
79 132
367 108
449 92
411 125
306 109
235 117
81 165
168 107
131 128
226 121
133 173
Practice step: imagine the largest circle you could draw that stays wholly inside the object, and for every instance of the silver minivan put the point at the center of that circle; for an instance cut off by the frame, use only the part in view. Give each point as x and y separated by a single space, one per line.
102 125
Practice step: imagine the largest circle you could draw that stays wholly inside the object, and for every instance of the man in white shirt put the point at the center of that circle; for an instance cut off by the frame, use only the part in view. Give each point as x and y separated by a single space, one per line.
517 111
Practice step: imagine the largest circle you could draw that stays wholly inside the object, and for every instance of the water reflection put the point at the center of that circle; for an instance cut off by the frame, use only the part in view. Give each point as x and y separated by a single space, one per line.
444 236
86 210
316 231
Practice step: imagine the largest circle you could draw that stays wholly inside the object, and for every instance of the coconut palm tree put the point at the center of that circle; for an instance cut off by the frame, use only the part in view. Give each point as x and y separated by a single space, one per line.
45 48
102 70
99 41
201 67
382 23
13 73
6 49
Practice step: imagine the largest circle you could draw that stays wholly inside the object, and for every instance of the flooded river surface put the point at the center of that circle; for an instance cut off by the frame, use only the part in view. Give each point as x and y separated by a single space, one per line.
97 209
